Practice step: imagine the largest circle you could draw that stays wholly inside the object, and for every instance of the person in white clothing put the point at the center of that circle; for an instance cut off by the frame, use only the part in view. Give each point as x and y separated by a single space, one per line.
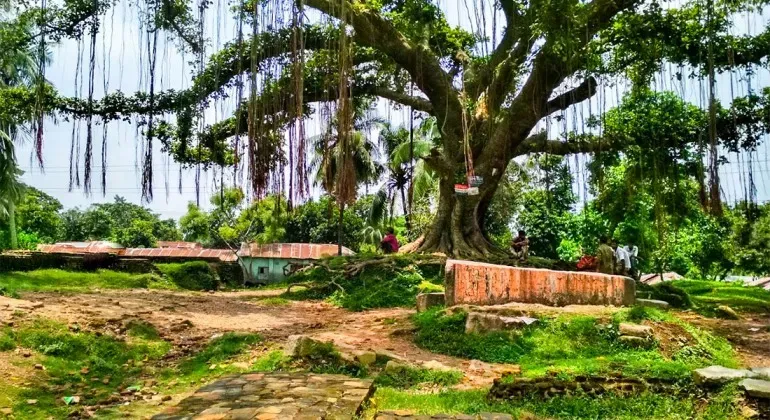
633 254
622 260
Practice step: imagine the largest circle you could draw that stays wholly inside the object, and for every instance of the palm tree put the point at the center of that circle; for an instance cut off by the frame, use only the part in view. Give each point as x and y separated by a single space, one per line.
18 67
342 163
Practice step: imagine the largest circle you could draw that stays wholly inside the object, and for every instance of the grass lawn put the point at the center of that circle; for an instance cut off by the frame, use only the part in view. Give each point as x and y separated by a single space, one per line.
719 406
54 280
575 345
707 295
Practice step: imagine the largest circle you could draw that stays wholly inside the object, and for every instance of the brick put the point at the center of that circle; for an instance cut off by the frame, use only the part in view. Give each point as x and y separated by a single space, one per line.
475 283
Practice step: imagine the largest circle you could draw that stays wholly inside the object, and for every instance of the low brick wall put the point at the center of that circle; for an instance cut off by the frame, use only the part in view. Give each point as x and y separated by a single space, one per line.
475 283
514 388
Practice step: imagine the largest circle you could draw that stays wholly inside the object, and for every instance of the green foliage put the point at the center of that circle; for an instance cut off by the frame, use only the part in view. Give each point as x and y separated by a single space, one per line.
569 251
668 292
749 238
270 362
570 345
139 234
75 282
38 215
193 275
405 377
316 222
142 329
194 225
218 350
393 283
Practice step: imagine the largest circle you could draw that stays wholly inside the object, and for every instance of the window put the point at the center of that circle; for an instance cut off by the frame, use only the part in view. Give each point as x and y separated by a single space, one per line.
262 270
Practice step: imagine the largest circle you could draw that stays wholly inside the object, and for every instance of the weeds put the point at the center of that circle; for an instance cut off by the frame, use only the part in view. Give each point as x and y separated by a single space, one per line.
563 407
406 377
707 295
218 350
570 345
193 275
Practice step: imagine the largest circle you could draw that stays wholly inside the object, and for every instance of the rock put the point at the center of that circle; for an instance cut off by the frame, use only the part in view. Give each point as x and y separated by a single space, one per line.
763 372
366 358
479 322
635 330
26 353
301 346
426 301
37 305
632 341
756 388
748 412
166 398
652 303
240 365
38 366
6 411
394 367
718 375
31 402
727 312
436 365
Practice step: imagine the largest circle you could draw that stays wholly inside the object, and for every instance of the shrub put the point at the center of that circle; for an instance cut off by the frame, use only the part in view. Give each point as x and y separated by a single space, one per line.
666 291
404 376
194 275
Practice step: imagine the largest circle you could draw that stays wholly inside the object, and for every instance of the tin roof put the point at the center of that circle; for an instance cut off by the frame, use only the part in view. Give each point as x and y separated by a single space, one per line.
179 244
292 251
202 253
101 247
93 247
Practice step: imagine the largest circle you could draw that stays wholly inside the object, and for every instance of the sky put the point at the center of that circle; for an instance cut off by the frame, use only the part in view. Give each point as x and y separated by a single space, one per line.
121 63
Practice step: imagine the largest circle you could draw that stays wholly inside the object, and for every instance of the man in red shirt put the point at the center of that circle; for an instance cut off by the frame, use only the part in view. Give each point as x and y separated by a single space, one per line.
389 243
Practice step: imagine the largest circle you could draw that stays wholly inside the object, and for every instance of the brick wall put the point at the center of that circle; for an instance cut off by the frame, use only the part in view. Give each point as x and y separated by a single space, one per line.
476 283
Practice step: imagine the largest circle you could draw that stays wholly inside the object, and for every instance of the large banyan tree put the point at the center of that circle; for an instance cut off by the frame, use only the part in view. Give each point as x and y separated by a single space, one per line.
492 88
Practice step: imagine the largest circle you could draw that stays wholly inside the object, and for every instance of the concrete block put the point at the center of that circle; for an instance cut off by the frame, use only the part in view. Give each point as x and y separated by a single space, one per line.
474 283
426 301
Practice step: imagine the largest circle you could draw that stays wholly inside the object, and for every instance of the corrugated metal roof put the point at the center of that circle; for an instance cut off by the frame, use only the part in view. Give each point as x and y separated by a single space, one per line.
100 247
179 244
292 251
94 247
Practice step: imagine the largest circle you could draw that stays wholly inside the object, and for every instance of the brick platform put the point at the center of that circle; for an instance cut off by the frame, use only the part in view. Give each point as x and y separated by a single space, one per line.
274 396
474 283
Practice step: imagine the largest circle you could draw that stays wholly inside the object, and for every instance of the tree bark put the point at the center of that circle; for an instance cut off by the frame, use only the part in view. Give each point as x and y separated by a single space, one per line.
339 229
12 224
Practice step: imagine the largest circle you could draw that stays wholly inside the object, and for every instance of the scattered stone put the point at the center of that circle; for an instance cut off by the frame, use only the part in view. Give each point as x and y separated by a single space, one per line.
84 371
652 303
37 305
240 365
718 375
632 341
31 402
426 301
9 324
166 398
756 388
635 330
26 353
38 366
212 367
479 322
727 312
393 366
6 411
366 358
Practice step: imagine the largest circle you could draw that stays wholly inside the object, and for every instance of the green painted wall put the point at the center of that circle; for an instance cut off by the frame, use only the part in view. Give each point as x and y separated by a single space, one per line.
269 270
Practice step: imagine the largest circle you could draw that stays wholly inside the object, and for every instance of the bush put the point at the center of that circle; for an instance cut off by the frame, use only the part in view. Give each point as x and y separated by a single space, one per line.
405 376
194 275
666 291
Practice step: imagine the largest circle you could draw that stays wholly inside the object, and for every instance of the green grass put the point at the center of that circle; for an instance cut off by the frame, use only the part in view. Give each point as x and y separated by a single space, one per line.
270 362
142 329
192 275
218 350
707 295
406 377
76 363
659 406
571 345
273 301
53 280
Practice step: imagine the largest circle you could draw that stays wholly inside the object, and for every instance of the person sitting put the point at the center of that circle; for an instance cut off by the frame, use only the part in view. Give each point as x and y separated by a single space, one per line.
605 257
389 244
520 246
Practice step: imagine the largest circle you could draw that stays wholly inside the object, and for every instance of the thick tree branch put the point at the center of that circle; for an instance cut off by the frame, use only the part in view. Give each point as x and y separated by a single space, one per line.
539 143
573 96
419 104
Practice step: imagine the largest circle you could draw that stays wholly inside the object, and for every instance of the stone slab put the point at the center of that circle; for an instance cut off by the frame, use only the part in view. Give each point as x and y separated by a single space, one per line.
762 372
756 388
719 375
426 301
275 396
652 303
474 283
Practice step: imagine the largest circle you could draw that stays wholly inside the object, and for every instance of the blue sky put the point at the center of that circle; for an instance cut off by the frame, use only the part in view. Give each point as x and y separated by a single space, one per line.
122 61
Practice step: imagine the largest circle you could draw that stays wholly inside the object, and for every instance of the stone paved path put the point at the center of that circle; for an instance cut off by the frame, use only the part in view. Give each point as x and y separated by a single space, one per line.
289 396
408 415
